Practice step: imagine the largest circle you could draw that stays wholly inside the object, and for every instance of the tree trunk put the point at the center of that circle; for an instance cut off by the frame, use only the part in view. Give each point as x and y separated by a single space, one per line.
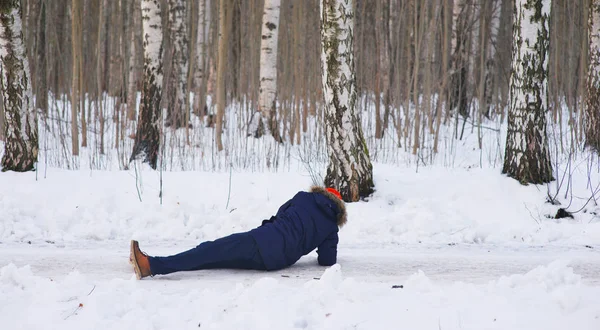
101 54
41 86
200 73
76 54
418 35
20 119
147 137
2 119
179 43
385 66
265 119
81 88
221 62
446 42
485 58
504 43
460 57
592 129
135 35
527 158
232 79
350 169
379 47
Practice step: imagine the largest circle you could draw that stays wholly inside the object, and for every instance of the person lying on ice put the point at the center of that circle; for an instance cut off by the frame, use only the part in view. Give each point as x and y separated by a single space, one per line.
307 221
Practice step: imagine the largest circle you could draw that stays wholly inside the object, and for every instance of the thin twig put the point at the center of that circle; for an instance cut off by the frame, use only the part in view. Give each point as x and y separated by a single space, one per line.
137 187
92 290
589 199
481 126
311 171
229 192
536 220
75 311
458 231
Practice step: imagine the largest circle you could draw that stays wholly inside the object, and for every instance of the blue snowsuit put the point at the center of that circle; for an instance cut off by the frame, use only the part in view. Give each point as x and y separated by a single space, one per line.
307 221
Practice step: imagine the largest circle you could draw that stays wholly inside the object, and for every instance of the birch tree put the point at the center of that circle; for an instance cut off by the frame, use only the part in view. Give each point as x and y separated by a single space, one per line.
20 120
265 119
592 130
527 158
350 169
201 59
147 138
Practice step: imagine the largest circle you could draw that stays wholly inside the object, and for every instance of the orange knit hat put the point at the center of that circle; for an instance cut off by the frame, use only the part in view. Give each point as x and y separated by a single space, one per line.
335 192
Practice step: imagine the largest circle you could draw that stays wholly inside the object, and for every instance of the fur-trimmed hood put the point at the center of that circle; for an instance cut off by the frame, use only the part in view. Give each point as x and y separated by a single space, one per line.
342 216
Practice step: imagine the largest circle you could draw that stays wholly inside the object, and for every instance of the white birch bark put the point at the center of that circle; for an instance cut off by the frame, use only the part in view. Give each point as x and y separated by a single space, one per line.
350 169
527 158
153 36
21 130
265 118
147 141
201 56
592 130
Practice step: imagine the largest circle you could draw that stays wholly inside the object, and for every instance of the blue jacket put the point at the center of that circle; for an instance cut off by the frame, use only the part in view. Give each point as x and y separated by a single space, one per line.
307 221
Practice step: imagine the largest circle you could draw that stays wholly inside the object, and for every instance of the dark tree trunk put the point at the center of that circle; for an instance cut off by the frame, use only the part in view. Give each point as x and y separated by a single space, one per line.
20 120
460 58
41 94
179 69
2 119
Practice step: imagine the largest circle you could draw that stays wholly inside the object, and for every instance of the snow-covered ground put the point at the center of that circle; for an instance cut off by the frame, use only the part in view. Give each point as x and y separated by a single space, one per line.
93 288
435 205
471 249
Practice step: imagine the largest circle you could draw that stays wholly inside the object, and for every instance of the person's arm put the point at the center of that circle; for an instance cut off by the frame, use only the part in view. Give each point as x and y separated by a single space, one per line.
281 209
327 250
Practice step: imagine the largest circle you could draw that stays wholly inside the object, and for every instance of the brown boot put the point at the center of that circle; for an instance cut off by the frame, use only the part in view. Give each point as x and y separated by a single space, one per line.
139 260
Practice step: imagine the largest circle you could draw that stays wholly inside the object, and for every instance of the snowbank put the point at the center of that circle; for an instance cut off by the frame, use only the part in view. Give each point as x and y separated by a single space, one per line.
548 297
434 205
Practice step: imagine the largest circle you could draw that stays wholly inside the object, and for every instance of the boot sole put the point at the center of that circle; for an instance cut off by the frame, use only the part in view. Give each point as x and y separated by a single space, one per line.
133 260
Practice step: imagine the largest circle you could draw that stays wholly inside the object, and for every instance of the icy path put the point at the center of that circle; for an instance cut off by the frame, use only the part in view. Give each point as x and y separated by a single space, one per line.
91 286
385 264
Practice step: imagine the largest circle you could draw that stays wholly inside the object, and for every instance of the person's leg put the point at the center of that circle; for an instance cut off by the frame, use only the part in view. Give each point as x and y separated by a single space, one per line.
234 251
